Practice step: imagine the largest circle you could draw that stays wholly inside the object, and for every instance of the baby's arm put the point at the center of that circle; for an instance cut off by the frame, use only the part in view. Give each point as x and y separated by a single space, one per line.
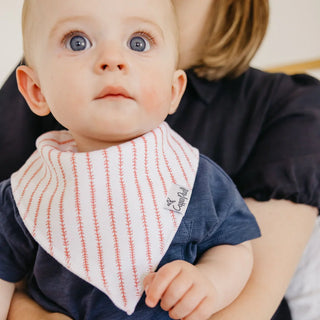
6 292
196 292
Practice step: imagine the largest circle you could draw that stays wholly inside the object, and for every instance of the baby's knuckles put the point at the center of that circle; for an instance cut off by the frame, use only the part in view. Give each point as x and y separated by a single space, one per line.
199 286
178 281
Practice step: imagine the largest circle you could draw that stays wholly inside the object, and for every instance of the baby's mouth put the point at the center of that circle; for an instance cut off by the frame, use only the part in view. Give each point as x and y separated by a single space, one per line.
113 92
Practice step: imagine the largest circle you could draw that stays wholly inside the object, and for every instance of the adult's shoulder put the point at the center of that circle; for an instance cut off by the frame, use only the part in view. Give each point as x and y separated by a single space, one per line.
277 89
233 120
283 161
254 85
265 80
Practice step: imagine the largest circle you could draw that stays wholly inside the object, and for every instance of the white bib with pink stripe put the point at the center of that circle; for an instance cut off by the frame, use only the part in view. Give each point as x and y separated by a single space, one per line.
110 215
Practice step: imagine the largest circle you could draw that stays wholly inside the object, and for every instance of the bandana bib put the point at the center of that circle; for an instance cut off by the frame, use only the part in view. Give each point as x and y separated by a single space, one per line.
110 215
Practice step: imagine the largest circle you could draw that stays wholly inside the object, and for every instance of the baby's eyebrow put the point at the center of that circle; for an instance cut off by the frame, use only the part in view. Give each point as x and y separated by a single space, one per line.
146 22
131 19
65 20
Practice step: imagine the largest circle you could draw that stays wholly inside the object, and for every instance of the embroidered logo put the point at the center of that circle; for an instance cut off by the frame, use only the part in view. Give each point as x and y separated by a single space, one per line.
178 199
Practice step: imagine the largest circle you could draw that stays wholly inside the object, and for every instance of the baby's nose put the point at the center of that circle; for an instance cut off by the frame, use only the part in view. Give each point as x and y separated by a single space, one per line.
111 58
112 67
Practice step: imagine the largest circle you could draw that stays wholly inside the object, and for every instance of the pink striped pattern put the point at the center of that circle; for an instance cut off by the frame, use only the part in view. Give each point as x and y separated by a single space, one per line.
101 214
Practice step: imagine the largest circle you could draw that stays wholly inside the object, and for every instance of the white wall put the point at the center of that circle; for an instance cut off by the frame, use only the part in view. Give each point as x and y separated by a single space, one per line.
10 36
293 35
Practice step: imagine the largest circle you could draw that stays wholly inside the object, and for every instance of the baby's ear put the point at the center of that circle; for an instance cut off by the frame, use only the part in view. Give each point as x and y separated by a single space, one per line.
28 84
178 87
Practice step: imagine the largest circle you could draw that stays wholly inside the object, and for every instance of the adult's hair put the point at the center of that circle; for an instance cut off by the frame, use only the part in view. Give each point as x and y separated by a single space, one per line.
232 35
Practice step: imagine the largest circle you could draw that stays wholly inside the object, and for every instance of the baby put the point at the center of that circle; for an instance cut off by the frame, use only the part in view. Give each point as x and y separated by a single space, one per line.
118 204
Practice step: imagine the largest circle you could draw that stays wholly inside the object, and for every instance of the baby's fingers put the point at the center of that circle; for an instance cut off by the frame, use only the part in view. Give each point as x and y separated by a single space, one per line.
202 312
148 280
157 283
187 305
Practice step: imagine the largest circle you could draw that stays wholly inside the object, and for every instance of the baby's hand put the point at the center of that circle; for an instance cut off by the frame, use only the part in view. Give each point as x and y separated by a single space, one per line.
184 291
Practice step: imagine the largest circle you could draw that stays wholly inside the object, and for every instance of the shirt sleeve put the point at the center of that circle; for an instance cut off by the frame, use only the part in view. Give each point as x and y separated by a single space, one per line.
17 246
220 210
284 163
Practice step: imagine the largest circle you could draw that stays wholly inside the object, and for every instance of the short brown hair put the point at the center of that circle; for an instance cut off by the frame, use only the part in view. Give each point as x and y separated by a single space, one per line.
232 35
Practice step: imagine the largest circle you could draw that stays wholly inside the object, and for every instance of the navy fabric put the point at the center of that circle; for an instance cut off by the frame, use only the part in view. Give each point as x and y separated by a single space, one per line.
216 215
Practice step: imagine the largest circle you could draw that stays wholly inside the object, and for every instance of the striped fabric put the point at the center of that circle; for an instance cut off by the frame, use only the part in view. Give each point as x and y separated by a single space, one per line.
108 215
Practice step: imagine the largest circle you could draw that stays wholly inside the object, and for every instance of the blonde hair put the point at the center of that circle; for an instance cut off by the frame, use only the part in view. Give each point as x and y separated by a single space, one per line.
231 36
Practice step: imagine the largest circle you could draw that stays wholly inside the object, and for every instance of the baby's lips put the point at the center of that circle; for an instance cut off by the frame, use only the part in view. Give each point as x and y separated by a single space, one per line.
113 91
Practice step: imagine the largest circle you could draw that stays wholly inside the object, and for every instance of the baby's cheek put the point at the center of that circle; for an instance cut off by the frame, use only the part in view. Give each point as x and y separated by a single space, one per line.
151 98
156 97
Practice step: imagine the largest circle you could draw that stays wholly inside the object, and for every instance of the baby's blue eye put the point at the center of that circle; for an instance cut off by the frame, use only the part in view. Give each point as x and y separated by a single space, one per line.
139 44
78 43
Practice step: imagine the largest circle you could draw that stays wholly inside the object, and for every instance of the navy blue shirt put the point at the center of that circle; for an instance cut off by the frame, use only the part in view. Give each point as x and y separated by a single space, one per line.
216 215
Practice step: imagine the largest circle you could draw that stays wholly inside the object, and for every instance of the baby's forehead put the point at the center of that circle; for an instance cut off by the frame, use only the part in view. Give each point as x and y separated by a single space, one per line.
156 9
38 15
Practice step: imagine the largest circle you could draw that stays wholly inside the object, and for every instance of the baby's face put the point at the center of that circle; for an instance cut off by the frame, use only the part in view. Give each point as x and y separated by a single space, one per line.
106 68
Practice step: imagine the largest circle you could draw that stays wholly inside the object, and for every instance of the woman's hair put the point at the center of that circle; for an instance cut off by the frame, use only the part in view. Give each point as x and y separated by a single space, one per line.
232 35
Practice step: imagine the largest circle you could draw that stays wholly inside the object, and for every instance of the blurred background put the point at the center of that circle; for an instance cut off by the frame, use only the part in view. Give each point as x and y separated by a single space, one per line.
292 43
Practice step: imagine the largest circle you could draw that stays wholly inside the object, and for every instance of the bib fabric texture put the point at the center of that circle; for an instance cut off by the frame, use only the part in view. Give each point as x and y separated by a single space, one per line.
109 215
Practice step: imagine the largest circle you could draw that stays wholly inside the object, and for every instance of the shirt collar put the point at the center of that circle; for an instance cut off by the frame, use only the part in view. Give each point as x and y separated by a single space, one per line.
205 89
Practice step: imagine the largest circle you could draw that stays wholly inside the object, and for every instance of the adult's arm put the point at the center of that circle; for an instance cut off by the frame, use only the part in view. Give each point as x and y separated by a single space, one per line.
6 291
286 228
24 308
